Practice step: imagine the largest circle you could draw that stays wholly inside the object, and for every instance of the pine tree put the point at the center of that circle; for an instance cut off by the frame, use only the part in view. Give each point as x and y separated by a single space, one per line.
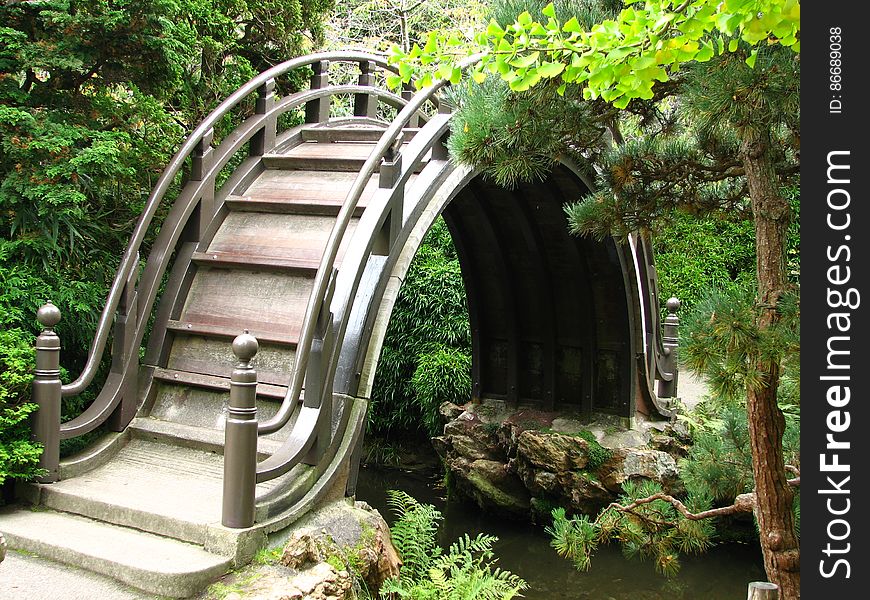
707 123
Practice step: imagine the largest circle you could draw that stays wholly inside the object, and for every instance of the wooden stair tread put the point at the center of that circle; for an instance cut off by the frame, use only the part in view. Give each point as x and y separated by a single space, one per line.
230 332
351 134
214 382
253 262
274 240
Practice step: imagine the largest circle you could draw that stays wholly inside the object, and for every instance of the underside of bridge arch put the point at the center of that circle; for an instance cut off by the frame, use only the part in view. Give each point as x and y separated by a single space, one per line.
554 317
548 311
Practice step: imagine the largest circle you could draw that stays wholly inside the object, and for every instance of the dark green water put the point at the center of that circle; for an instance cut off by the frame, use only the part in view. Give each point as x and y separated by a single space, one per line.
721 574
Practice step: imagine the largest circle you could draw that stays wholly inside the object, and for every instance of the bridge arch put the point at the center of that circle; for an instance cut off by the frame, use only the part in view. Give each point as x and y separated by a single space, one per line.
551 314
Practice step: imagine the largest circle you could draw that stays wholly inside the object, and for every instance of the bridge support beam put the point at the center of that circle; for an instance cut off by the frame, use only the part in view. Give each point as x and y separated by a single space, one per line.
240 446
46 393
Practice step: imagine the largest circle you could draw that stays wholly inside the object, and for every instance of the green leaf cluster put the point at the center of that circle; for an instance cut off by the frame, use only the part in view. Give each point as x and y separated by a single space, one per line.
465 571
618 59
720 460
426 357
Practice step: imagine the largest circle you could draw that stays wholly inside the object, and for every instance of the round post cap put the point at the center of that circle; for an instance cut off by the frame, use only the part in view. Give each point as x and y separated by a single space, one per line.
245 346
48 315
673 305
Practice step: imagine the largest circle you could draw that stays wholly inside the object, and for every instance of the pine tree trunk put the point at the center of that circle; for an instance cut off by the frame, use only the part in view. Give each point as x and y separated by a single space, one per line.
779 543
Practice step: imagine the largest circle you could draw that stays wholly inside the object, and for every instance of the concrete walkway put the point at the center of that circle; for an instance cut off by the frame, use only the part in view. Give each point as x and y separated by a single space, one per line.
25 577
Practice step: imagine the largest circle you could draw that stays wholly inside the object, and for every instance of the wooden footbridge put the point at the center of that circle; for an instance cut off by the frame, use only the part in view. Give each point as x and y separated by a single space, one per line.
300 235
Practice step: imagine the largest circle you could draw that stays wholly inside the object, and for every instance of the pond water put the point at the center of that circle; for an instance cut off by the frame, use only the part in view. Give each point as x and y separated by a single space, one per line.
721 574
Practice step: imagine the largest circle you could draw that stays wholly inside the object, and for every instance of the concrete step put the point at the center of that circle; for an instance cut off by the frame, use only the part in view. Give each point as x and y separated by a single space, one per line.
160 488
200 438
155 564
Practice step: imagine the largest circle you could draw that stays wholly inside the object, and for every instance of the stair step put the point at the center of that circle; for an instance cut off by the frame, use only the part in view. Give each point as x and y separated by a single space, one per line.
230 260
200 438
277 241
313 156
213 382
157 565
227 301
212 355
301 192
351 134
163 489
346 157
289 337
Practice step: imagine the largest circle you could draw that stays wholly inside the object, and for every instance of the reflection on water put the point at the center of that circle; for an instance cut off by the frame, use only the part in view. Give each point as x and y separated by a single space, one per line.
721 574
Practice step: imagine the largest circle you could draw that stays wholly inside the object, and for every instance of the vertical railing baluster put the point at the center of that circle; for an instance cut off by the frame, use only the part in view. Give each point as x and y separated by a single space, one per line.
122 350
316 394
670 341
366 105
200 165
317 111
407 94
240 442
46 393
390 171
264 140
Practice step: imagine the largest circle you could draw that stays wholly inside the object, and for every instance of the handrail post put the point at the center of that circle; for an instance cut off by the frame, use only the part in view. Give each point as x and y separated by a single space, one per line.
122 350
240 442
762 590
408 93
439 148
46 393
390 171
670 341
315 375
201 162
264 140
317 111
365 105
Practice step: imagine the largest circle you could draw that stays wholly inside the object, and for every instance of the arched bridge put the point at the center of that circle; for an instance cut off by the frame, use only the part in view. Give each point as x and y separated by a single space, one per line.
299 227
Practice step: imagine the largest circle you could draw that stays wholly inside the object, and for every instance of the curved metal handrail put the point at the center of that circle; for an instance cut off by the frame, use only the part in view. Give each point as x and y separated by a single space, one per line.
130 257
301 437
327 262
308 418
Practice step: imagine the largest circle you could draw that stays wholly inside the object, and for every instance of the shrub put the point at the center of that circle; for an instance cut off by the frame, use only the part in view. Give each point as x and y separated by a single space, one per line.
19 457
426 354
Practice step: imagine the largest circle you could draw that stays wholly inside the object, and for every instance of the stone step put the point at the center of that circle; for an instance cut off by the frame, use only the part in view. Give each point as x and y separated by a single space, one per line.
200 438
157 565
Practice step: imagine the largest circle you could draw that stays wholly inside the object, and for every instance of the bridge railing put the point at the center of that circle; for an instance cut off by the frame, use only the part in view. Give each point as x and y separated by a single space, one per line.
317 339
134 290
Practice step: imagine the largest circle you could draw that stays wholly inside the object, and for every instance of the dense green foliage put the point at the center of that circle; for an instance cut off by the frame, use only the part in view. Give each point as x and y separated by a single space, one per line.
95 95
18 456
426 354
464 572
